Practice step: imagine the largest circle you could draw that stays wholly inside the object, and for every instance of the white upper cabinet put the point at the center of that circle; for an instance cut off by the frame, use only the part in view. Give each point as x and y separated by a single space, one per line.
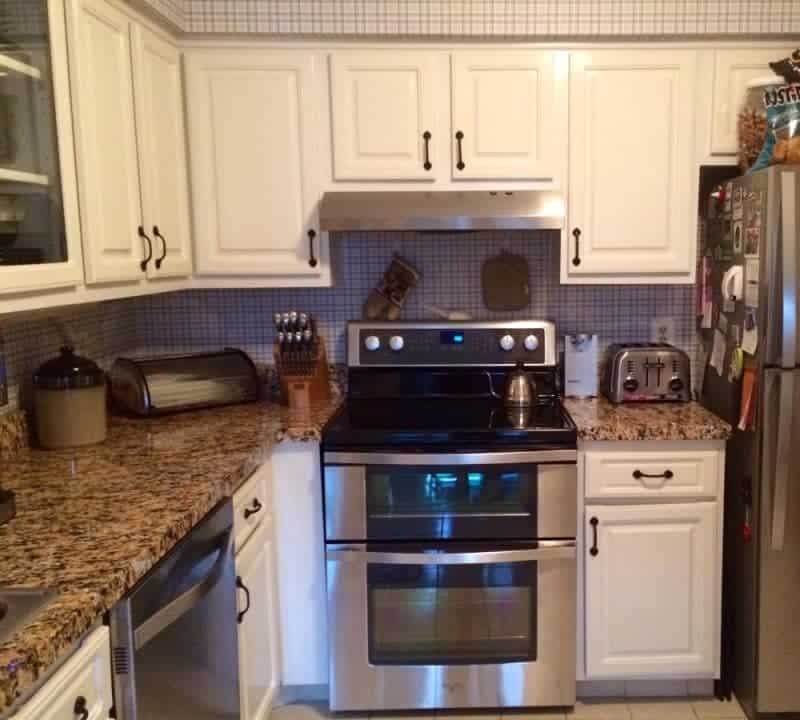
632 171
509 114
651 590
733 70
162 153
105 136
387 108
253 142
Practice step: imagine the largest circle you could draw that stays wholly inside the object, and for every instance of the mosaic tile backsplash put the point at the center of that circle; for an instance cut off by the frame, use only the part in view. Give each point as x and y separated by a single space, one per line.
504 18
451 279
99 331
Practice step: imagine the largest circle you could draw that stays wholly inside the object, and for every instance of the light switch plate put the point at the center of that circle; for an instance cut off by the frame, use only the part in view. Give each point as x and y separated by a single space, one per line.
662 330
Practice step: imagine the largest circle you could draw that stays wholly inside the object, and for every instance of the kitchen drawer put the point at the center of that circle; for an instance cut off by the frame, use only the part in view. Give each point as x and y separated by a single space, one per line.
656 474
86 674
251 502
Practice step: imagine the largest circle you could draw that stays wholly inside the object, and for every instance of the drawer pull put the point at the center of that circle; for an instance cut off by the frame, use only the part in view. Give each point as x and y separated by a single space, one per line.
426 136
312 261
80 708
576 259
252 511
160 259
459 137
142 234
240 584
594 551
667 475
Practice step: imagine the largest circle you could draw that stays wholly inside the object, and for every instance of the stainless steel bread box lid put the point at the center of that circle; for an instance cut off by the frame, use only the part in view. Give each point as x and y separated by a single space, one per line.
171 383
647 372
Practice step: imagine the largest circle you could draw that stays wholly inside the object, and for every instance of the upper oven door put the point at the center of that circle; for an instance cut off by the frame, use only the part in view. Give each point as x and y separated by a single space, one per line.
472 496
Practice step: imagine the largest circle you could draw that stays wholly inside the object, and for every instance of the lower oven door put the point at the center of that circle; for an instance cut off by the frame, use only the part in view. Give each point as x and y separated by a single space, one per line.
451 626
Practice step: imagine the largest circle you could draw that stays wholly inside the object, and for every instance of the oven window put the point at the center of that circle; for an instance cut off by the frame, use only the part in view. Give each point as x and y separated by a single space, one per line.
468 502
452 614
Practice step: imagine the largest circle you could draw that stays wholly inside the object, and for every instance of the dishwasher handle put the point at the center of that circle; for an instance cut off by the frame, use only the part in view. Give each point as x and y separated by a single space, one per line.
179 606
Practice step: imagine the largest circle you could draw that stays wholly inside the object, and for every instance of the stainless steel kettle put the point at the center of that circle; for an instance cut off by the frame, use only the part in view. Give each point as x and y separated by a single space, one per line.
520 391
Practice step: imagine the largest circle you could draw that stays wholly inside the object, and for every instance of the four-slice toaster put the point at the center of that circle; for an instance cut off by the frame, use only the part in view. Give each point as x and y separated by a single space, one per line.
647 372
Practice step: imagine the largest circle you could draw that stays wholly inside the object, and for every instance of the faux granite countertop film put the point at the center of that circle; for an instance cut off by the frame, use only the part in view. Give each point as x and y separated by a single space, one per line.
91 522
599 419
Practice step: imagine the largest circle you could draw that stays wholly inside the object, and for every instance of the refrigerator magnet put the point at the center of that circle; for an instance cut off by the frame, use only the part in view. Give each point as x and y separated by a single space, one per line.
748 402
750 333
751 268
738 232
717 359
736 365
738 203
752 209
752 239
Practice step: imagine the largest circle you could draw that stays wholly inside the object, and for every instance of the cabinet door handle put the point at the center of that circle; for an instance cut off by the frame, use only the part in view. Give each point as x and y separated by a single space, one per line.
257 506
459 137
149 256
576 258
594 551
426 136
240 584
157 234
312 261
80 708
667 475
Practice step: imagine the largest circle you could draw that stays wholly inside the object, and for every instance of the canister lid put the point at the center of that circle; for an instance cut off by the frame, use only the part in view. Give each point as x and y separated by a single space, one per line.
68 371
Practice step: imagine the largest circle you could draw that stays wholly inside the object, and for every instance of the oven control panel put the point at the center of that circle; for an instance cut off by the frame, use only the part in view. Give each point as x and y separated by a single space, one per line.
395 344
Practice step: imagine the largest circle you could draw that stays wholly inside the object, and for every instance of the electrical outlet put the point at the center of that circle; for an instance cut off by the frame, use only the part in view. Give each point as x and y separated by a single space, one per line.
662 330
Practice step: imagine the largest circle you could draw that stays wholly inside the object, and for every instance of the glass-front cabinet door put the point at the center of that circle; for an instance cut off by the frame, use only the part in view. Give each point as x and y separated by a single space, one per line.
39 231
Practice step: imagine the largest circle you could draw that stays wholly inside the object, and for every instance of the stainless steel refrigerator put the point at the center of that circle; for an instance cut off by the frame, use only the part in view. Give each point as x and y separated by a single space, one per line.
755 226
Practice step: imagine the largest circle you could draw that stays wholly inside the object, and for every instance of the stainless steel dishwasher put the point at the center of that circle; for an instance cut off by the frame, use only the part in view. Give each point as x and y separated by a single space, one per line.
173 637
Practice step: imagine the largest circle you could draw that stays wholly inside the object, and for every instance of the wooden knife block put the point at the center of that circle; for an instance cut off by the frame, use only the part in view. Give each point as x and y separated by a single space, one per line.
304 383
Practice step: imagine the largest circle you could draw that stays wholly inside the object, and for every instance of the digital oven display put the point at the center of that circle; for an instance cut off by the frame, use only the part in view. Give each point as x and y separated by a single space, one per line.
451 337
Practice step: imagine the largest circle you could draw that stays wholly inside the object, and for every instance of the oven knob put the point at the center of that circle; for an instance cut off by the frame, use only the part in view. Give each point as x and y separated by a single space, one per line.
372 343
531 343
676 384
396 342
631 384
507 342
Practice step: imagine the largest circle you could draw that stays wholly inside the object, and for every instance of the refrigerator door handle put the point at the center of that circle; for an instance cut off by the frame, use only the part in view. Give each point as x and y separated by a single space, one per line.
783 457
789 232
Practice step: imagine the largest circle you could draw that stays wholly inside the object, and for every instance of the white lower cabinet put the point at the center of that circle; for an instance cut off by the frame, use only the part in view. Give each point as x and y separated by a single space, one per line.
256 596
258 629
80 688
650 590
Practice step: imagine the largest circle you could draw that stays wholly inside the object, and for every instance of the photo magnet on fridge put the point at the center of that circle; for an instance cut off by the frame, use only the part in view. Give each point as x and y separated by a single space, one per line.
738 203
751 268
752 240
738 237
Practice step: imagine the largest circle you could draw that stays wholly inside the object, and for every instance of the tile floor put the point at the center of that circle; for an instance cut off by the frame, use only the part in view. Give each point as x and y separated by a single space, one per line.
695 708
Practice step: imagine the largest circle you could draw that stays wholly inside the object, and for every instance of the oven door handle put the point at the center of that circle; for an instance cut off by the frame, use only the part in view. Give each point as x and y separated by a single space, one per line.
548 551
510 457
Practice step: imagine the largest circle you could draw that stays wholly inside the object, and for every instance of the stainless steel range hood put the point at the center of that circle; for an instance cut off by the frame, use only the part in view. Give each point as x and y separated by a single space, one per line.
442 210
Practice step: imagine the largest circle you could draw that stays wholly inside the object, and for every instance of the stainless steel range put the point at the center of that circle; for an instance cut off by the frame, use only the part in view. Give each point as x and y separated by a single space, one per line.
450 522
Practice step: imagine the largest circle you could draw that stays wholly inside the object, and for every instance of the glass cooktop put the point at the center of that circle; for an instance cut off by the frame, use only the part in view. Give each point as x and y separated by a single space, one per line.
449 423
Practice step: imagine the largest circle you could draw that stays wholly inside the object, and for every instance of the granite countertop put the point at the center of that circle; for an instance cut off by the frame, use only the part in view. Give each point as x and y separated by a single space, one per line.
91 522
599 419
